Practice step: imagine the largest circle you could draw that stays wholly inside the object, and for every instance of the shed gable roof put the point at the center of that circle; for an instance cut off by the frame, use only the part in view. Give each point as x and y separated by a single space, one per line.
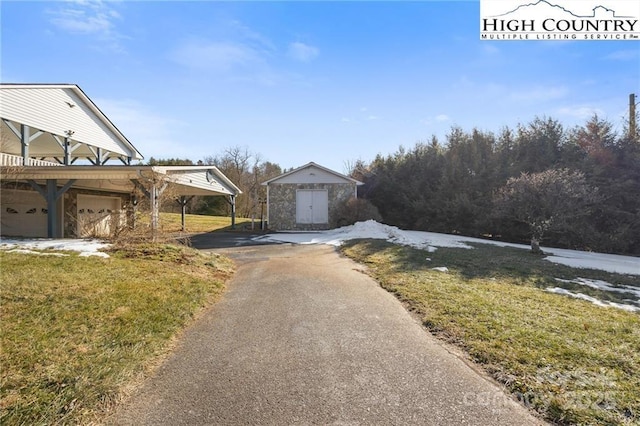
58 109
312 173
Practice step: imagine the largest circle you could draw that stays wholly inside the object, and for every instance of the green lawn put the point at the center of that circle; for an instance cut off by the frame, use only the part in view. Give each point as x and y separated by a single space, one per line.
172 222
570 360
78 331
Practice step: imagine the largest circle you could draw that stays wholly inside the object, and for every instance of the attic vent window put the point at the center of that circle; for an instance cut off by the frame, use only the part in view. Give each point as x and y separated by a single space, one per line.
209 176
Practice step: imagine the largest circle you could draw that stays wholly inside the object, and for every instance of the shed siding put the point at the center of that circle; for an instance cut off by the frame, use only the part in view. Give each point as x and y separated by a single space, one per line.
47 109
282 204
312 175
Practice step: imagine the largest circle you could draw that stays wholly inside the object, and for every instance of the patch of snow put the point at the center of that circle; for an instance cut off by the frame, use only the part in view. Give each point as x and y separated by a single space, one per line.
603 285
39 253
593 300
430 241
606 262
84 247
441 269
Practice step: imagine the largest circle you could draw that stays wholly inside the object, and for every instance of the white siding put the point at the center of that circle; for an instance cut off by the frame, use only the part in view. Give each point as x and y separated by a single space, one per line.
201 179
47 109
312 174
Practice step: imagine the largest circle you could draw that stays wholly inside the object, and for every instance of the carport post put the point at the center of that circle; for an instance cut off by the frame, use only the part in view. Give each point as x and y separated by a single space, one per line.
51 194
232 201
52 230
183 201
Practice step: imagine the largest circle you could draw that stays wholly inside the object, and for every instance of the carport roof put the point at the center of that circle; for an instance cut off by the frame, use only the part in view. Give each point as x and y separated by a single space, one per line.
186 180
62 111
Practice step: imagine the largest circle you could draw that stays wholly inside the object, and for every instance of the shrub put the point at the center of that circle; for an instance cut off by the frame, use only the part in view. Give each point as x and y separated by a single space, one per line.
356 210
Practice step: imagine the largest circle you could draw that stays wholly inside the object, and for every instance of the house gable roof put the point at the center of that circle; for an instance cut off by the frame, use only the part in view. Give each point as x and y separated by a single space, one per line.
63 110
312 173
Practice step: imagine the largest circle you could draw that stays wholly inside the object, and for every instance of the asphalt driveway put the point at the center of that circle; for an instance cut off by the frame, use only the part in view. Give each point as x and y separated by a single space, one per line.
304 337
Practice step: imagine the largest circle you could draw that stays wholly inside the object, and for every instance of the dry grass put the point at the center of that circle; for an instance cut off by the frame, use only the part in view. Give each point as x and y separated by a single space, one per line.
77 331
172 223
569 360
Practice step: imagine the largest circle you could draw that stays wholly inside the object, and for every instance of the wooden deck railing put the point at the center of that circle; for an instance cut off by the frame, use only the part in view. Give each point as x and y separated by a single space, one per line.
16 160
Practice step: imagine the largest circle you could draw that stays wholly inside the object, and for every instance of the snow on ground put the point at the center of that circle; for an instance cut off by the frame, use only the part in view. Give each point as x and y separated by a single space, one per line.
428 241
431 241
603 285
29 246
593 300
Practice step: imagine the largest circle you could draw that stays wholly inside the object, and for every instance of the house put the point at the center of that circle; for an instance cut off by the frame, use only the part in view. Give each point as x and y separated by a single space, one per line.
310 197
57 173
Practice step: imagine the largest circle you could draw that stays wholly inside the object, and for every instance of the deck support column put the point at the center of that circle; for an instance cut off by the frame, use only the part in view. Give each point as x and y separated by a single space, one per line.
52 194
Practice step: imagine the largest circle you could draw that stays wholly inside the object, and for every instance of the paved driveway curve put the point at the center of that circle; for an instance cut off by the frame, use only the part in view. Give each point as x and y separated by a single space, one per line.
303 337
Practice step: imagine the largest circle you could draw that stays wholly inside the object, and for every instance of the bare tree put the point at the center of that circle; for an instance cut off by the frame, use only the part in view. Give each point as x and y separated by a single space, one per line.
247 170
544 200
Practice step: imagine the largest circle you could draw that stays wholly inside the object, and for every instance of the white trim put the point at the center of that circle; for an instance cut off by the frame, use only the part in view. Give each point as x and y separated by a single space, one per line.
312 164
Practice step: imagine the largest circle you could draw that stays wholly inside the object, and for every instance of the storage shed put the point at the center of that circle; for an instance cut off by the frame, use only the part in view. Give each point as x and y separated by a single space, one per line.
308 198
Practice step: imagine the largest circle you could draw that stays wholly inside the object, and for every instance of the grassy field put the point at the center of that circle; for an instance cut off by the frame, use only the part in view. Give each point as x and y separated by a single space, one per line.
77 331
569 360
172 223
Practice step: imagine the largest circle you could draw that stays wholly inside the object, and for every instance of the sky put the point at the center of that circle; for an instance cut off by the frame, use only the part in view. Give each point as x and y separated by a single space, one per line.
295 81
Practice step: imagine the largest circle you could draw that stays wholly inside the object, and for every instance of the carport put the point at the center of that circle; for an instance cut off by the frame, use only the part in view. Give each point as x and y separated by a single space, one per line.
109 182
57 143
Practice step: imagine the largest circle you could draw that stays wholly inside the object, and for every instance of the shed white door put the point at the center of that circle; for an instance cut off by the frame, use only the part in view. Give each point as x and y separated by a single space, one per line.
312 206
24 214
97 216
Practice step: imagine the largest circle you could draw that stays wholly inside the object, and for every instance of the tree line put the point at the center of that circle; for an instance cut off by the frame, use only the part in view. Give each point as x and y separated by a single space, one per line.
244 168
574 188
540 182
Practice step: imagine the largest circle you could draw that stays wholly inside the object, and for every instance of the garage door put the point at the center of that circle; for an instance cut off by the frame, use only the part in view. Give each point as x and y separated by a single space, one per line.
24 214
98 216
312 206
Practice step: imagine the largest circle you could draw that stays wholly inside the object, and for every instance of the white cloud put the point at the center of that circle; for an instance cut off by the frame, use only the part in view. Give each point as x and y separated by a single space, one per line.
303 52
93 18
582 112
537 94
215 55
623 55
490 49
440 118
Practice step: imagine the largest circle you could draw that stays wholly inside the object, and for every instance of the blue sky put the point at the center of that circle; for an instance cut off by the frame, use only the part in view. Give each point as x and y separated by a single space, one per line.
330 82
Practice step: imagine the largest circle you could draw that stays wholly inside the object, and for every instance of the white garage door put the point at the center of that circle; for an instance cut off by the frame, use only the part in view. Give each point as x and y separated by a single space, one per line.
98 216
24 214
312 206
